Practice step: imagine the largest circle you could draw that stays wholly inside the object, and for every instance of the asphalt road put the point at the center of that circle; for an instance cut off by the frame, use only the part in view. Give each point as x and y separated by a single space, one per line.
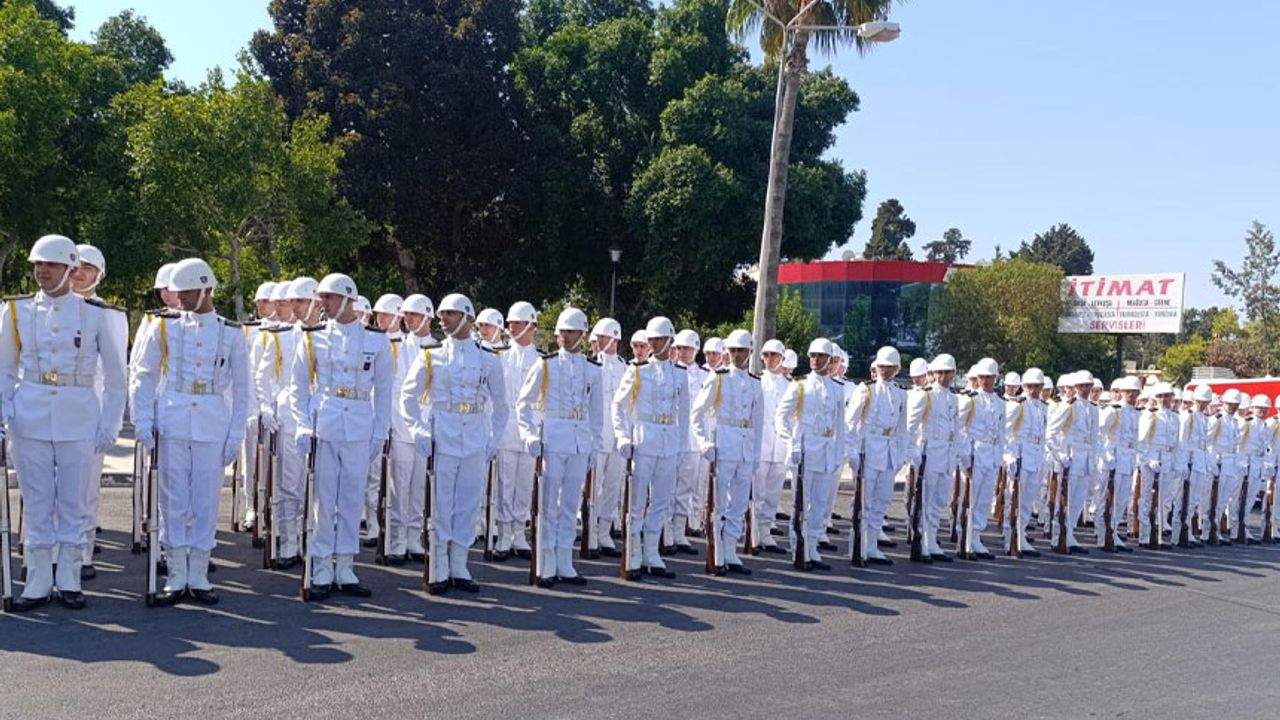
1187 634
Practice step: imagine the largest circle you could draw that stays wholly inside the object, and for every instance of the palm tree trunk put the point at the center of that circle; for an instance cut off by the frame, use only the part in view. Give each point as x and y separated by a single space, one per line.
234 260
793 64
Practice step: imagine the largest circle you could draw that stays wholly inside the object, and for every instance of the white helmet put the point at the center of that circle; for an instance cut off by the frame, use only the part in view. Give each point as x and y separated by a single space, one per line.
659 327
1082 377
715 345
192 274
971 373
738 340
1033 376
607 327
821 346
919 367
162 276
1012 379
280 291
1202 393
686 338
943 363
1162 388
93 256
339 284
571 318
1231 397
390 303
1048 383
1105 397
789 359
1097 384
362 305
522 312
987 366
773 346
54 249
1128 382
264 291
640 336
457 302
490 316
1261 401
418 303
888 356
303 288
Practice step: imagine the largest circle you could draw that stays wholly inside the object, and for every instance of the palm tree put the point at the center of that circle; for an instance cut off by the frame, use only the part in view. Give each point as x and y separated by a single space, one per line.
786 28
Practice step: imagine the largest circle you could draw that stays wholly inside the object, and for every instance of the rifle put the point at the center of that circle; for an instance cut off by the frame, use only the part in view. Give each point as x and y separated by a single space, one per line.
6 561
915 481
535 519
955 507
749 532
1135 530
1154 514
1242 515
1064 493
1214 538
308 496
1109 542
261 495
429 538
625 568
590 537
490 540
1184 539
384 533
235 492
1269 511
1053 504
798 553
1002 482
966 515
858 544
139 499
1015 512
711 521
150 523
265 489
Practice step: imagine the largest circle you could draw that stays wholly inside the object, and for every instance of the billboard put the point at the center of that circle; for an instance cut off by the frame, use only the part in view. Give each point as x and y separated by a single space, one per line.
1122 304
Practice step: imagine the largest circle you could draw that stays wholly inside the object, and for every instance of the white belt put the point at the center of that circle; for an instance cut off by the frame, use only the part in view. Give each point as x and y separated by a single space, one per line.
888 432
744 424
825 432
53 378
460 408
658 419
346 392
194 388
987 440
575 414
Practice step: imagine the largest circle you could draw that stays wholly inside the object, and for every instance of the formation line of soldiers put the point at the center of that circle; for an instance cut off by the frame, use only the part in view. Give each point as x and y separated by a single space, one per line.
348 423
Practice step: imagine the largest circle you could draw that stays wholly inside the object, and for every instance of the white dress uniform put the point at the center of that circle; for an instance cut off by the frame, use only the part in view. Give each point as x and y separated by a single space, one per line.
810 420
1193 457
50 350
1024 424
1223 438
271 375
1252 452
1269 468
650 416
1118 438
688 498
373 490
1157 456
118 327
340 393
255 338
771 472
728 421
515 466
408 486
445 394
880 418
609 465
933 423
199 412
559 413
1071 433
982 429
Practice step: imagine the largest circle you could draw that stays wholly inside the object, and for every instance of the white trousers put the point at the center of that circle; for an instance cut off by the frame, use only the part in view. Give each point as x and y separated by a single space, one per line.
769 477
608 485
515 486
559 497
877 493
459 485
92 498
190 485
817 494
342 474
406 490
51 477
652 478
733 483
689 493
246 483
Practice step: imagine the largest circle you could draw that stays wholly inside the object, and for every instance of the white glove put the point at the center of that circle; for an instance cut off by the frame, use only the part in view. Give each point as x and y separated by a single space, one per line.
709 454
423 443
105 442
533 447
270 422
231 448
303 440
144 433
626 450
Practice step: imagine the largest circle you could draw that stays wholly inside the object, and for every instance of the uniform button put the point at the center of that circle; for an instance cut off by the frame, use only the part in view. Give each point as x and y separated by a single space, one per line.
199 364
199 344
193 403
53 392
345 409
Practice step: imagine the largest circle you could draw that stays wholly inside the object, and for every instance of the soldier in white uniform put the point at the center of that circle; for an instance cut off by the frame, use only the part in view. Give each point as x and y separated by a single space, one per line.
933 426
1157 456
1255 443
1024 426
690 485
52 344
1118 437
445 394
732 440
84 282
1223 440
560 418
1071 434
1193 459
650 416
982 427
772 469
340 397
489 326
639 346
199 414
255 336
418 311
880 418
407 498
810 420
605 337
714 353
514 489
385 317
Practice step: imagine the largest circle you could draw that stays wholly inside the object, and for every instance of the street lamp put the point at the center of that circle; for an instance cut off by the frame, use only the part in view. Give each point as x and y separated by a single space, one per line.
615 256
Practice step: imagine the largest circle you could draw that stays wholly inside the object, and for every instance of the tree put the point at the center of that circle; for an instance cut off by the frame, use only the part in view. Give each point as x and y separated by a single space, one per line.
788 50
952 248
1060 245
65 18
1177 361
889 233
1256 283
136 44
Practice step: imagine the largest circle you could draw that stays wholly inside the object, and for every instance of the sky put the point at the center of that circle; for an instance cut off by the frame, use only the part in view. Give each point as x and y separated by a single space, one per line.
1153 134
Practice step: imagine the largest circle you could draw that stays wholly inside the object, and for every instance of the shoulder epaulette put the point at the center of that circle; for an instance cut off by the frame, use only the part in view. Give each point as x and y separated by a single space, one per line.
594 362
682 367
277 328
104 304
395 339
838 381
229 323
313 328
546 355
487 349
251 323
638 362
375 329
722 371
7 298
163 313
757 377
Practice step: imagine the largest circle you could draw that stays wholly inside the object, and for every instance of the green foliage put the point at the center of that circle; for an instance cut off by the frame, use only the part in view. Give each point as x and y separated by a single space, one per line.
1256 285
889 233
1060 245
797 325
952 248
136 44
1177 361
